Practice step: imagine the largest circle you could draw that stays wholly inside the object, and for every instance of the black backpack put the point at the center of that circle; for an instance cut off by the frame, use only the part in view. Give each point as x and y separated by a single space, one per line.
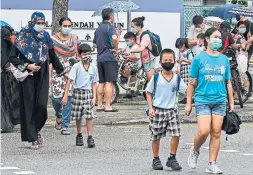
155 42
231 123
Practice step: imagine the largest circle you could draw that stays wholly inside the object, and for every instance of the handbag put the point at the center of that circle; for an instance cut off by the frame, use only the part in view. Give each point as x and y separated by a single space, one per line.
19 75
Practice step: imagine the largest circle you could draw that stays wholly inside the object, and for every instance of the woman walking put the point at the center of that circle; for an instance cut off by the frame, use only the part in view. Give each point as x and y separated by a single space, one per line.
147 58
9 86
209 78
65 46
32 51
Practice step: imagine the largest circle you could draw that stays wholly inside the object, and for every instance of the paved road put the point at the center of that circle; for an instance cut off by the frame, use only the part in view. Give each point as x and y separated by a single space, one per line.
120 150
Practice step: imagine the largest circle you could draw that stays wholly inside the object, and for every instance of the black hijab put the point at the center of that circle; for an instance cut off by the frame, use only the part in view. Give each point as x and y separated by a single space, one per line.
5 46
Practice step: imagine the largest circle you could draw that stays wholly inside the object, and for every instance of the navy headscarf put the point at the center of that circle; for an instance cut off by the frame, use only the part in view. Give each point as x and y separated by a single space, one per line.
32 44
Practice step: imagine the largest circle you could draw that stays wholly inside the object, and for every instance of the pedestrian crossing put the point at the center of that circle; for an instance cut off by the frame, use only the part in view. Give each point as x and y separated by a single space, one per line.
13 170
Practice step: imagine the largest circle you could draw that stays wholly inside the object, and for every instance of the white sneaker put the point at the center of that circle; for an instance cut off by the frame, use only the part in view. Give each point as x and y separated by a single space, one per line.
213 168
193 159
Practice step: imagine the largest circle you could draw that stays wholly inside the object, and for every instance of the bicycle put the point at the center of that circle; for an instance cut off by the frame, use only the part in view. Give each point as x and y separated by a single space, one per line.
136 82
239 80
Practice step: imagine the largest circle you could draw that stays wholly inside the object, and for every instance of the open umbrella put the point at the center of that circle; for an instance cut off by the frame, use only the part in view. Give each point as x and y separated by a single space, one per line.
212 20
243 11
118 6
222 11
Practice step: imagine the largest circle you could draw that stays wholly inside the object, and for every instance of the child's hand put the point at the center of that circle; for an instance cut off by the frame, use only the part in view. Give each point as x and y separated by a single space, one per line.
64 100
93 102
151 112
180 60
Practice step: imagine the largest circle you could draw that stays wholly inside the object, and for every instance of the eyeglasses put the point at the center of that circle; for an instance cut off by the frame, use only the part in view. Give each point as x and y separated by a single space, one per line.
40 23
66 26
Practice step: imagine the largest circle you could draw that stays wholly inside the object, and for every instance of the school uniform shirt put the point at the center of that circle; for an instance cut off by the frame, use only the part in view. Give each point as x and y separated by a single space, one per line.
211 73
138 55
83 79
188 54
166 91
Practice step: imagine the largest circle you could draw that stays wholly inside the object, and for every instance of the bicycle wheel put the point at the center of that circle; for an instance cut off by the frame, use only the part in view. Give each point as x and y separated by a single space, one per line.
236 81
246 85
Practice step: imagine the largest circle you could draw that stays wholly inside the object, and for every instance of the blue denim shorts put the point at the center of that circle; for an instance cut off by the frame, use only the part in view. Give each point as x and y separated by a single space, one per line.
211 108
149 65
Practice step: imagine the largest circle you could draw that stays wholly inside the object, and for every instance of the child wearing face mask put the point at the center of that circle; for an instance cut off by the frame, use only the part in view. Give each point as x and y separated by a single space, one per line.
185 58
133 60
162 91
201 46
83 77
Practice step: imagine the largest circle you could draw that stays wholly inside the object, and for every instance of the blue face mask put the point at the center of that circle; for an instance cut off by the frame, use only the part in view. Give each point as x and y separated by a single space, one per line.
129 44
242 30
134 30
215 44
65 30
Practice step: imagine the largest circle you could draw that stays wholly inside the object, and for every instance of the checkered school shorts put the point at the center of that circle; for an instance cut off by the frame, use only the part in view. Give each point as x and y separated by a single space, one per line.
185 70
165 120
81 105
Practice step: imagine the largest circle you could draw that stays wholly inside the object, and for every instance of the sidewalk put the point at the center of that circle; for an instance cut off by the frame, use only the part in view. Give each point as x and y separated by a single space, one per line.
133 112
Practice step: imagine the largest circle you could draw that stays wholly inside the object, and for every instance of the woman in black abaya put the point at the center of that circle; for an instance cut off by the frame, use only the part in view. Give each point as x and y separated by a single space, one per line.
32 52
9 87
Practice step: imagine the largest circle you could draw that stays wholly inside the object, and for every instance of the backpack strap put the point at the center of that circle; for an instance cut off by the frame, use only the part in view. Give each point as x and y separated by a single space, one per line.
156 76
178 82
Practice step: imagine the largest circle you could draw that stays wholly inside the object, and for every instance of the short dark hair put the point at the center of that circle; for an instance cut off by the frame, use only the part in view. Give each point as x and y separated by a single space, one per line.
139 21
64 19
130 35
107 13
168 51
240 23
180 42
201 36
84 48
197 19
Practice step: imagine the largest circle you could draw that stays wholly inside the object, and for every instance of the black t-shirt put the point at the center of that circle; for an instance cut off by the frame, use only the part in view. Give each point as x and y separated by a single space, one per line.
227 39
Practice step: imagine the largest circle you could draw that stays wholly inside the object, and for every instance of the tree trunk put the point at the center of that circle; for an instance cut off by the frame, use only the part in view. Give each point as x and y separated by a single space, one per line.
60 9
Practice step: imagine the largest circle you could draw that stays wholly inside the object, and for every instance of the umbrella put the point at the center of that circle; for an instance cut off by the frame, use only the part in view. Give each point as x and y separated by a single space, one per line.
117 6
3 23
212 20
243 11
222 11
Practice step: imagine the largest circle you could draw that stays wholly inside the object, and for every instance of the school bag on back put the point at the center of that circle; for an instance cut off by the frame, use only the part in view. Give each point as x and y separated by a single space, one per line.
155 42
156 77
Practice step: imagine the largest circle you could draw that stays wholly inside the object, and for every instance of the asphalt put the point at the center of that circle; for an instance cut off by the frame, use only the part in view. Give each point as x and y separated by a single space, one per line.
120 150
132 111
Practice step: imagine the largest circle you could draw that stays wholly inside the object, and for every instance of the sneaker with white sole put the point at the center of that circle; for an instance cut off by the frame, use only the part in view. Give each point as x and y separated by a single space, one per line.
213 168
193 159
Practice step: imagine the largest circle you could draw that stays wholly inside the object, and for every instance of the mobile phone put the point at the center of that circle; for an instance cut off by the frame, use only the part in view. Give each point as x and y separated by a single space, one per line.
38 64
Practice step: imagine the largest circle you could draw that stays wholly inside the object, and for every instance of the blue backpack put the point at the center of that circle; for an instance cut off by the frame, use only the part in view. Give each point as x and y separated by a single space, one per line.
156 76
155 43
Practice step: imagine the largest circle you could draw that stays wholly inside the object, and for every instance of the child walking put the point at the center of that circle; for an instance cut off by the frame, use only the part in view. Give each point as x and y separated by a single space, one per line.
83 77
162 93
185 58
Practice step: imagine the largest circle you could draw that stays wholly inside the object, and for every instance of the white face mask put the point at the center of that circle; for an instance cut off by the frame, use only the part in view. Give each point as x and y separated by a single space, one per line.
198 29
38 28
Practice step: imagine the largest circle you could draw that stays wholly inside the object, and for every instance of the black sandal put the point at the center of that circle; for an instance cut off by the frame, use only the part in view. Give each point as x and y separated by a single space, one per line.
58 125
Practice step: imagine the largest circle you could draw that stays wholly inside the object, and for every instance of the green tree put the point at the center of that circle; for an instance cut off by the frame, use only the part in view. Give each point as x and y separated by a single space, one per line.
60 9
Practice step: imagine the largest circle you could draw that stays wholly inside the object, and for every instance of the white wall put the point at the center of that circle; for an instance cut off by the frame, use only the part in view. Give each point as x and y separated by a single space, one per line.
166 25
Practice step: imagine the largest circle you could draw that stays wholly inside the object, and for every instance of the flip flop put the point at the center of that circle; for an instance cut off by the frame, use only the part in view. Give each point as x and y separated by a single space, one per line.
100 110
58 125
112 110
